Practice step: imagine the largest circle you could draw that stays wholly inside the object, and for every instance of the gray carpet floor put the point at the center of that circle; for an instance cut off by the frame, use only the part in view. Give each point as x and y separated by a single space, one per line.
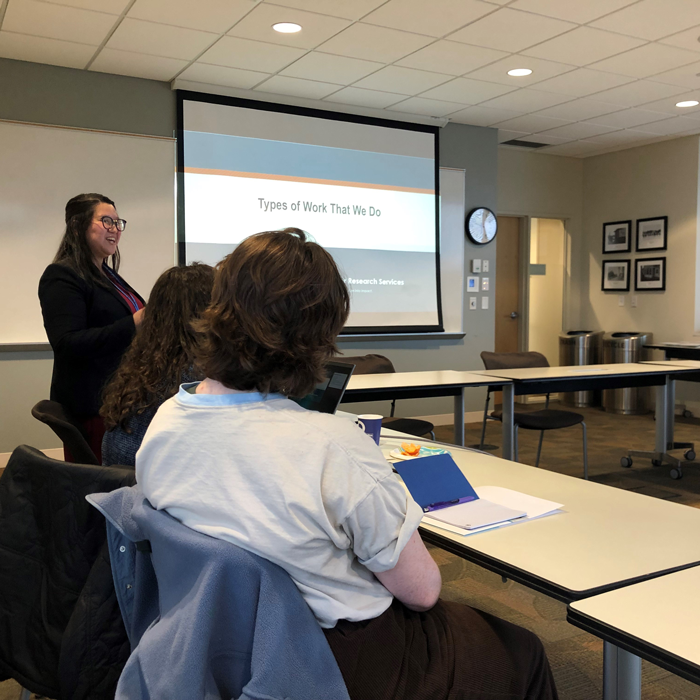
576 657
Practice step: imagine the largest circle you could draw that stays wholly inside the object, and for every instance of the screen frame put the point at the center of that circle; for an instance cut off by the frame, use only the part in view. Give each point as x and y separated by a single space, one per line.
190 96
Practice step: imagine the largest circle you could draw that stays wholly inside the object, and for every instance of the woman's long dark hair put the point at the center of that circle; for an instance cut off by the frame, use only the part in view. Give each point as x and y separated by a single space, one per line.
162 351
74 249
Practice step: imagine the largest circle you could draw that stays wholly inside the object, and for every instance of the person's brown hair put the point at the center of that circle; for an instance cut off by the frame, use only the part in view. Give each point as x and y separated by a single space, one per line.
74 249
277 307
163 350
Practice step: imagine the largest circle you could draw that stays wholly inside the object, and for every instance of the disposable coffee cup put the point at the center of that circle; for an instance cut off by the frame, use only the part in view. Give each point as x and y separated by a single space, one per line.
371 423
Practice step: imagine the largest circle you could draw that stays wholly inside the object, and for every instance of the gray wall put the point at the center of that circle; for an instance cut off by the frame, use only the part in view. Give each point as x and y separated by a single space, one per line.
62 96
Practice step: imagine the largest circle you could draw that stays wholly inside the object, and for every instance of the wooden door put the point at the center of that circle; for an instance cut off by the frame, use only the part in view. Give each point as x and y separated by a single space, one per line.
508 285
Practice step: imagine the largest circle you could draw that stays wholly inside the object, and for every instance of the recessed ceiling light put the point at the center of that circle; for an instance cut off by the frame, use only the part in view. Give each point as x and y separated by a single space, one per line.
519 72
688 103
287 27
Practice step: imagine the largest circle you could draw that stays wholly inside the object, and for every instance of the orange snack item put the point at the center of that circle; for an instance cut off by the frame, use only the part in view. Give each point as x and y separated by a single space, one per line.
408 448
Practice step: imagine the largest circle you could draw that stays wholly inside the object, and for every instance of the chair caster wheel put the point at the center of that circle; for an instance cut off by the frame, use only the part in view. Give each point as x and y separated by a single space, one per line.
676 474
687 414
626 462
690 455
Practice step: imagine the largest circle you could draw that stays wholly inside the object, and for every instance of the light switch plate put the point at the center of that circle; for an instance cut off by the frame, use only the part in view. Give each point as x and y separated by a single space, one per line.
476 265
485 266
472 284
484 302
620 300
633 301
484 284
472 302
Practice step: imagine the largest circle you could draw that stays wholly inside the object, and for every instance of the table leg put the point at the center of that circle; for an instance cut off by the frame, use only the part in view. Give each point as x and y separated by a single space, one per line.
662 416
622 674
508 420
459 418
670 412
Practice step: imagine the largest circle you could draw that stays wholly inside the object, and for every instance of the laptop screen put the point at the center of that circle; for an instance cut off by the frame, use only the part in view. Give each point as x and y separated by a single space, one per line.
328 394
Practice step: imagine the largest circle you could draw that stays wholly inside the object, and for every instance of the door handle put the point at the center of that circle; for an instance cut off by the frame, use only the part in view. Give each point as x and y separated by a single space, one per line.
514 314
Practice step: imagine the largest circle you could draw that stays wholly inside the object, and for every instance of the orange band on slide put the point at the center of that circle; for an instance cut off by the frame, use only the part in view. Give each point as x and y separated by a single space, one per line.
311 180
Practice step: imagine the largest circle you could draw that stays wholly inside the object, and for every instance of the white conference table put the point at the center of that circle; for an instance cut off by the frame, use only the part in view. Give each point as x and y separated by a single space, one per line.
605 538
419 385
657 620
543 380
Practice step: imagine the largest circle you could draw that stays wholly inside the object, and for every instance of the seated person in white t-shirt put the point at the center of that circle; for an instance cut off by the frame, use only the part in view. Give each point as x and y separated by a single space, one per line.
234 458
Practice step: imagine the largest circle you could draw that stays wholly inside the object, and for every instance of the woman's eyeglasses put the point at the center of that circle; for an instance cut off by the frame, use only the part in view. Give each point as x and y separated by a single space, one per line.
108 222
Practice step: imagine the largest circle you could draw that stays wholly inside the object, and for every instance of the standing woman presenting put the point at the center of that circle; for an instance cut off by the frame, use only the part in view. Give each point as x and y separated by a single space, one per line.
90 313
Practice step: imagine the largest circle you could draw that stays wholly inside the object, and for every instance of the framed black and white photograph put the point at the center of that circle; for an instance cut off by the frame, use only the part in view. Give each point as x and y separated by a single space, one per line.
651 233
616 276
617 237
650 274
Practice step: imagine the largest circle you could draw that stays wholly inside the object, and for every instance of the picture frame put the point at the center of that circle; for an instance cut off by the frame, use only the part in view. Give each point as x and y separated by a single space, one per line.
617 237
616 276
652 234
650 274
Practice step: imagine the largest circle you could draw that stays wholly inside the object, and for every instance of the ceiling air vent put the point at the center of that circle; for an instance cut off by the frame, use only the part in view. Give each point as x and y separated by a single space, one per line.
524 144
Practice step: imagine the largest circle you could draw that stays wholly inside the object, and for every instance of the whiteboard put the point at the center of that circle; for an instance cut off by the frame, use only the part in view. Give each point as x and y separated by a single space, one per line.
41 168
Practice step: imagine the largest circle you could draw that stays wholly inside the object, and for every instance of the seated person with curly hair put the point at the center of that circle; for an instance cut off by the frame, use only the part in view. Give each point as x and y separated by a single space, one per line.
234 458
159 359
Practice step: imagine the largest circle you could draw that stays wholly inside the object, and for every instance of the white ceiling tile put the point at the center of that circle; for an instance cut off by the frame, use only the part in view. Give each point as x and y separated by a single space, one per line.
579 130
687 39
404 80
583 46
374 43
208 15
646 60
430 108
541 70
467 91
652 19
365 98
579 11
436 18
526 100
250 55
451 57
330 69
297 87
482 116
687 76
617 138
137 64
221 75
675 125
668 106
57 22
507 135
41 50
510 30
315 28
112 7
579 110
628 118
582 82
637 93
574 149
349 10
138 36
532 123
544 138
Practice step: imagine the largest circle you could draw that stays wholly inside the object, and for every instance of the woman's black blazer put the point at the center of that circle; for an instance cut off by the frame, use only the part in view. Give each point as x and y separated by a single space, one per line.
89 327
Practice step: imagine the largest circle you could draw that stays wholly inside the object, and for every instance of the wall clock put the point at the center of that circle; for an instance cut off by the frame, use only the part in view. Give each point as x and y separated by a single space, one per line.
481 226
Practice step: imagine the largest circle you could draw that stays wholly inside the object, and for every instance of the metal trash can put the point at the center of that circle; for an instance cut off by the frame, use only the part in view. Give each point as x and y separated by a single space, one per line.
581 348
627 347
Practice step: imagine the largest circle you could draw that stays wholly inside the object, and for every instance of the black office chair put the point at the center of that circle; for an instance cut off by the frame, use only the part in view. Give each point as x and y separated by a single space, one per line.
54 415
378 364
545 419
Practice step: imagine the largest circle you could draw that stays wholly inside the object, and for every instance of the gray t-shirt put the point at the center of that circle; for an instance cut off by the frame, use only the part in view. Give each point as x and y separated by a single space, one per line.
308 491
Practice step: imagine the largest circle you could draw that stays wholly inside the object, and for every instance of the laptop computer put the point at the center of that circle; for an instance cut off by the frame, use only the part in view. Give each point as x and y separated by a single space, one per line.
328 394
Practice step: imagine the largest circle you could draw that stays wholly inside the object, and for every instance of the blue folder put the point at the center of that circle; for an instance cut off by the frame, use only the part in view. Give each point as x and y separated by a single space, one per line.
435 482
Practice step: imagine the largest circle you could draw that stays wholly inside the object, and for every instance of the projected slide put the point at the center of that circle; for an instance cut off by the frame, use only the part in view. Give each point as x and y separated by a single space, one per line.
373 211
